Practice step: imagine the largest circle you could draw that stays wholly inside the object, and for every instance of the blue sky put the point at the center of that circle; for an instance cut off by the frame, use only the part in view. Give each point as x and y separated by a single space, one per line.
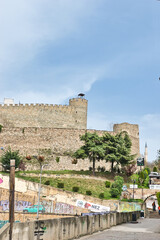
51 50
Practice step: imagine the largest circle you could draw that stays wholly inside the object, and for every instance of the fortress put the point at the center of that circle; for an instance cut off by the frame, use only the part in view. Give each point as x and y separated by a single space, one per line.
53 131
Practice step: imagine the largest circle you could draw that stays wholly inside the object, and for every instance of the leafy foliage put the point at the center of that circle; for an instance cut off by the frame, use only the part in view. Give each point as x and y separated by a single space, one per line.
158 198
117 149
101 195
114 192
92 148
88 192
75 189
107 184
113 149
117 184
7 156
57 159
60 185
155 169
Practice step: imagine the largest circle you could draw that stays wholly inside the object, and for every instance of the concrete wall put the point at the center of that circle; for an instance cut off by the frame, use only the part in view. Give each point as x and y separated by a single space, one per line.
66 228
55 194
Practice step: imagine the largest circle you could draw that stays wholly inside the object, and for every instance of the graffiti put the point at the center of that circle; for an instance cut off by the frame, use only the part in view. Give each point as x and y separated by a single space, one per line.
48 205
40 229
63 208
92 207
129 207
19 205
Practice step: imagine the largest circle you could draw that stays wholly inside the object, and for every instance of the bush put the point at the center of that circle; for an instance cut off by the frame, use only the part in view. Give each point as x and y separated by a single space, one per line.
155 169
158 198
47 182
114 192
7 156
89 193
60 185
148 170
1 128
75 189
107 184
101 195
57 159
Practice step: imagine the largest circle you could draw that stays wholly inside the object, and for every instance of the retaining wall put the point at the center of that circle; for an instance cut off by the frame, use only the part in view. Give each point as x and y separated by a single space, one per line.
66 228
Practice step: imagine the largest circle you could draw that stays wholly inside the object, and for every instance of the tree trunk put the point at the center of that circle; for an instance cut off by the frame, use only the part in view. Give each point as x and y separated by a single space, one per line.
93 167
112 166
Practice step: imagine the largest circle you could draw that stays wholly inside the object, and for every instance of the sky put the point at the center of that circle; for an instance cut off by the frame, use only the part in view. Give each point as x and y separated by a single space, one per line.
52 50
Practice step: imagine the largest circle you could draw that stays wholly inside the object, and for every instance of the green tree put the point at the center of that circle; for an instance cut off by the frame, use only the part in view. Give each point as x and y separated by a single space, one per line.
158 198
92 148
116 187
117 149
7 156
157 161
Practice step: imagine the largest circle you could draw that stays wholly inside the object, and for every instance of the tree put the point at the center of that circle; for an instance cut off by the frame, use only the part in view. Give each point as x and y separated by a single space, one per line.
157 161
7 156
116 187
117 149
92 148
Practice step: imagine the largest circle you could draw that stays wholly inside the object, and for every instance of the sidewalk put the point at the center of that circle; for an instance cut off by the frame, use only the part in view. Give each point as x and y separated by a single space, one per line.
145 229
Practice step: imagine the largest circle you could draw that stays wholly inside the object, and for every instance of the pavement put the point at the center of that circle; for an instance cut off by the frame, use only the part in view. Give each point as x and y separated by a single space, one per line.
145 229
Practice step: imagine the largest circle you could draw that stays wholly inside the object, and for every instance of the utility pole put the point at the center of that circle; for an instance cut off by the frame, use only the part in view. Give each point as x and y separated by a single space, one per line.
11 196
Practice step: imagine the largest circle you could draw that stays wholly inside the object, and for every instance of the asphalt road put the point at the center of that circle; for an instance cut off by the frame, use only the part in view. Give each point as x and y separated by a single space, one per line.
145 229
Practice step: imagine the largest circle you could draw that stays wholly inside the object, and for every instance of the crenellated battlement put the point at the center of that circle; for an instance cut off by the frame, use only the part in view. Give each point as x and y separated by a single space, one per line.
73 115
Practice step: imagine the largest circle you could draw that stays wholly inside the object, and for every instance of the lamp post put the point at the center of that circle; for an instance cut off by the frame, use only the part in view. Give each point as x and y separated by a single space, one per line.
39 191
133 187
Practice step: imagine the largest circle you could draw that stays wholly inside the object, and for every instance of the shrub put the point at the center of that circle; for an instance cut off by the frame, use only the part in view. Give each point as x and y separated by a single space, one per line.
107 184
148 170
75 189
114 192
7 156
1 128
60 185
101 195
155 169
158 198
89 193
47 182
57 159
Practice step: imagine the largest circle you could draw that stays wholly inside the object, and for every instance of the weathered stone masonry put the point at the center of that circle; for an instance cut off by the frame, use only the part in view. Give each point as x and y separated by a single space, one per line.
53 131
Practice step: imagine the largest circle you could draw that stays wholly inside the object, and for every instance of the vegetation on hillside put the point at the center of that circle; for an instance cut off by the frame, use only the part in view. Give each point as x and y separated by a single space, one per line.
114 149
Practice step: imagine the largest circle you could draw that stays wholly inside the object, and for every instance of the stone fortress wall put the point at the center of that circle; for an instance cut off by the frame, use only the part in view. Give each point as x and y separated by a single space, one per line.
73 115
40 130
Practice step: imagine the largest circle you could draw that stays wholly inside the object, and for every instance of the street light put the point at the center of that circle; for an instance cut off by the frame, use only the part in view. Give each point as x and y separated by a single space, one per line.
133 187
39 191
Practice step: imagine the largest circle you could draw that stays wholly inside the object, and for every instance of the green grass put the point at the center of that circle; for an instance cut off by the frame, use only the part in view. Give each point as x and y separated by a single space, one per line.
95 186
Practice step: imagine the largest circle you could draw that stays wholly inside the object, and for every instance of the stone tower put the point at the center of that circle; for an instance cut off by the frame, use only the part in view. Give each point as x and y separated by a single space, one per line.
133 132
